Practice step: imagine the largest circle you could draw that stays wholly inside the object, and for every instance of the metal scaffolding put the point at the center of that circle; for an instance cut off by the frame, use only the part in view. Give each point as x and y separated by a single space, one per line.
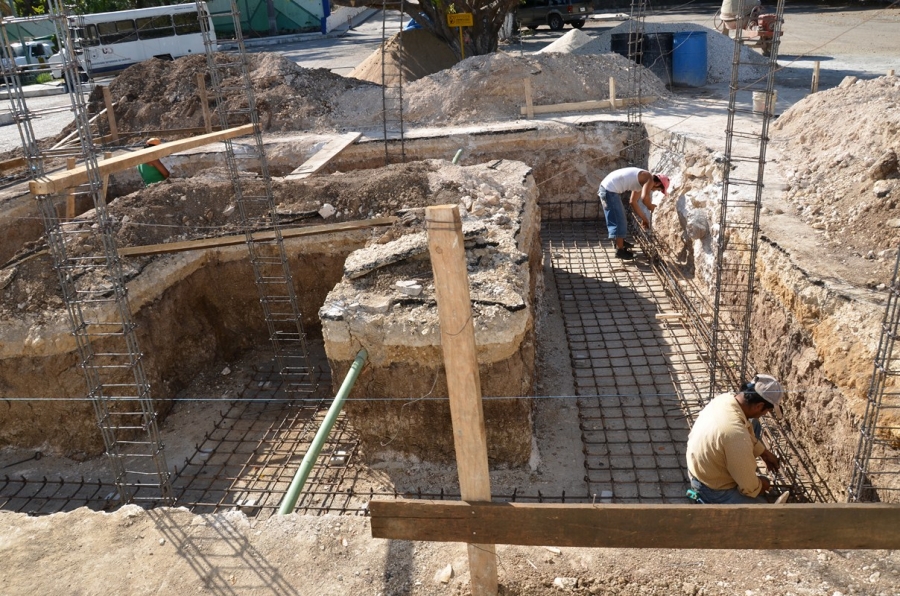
235 104
93 287
876 465
392 88
738 234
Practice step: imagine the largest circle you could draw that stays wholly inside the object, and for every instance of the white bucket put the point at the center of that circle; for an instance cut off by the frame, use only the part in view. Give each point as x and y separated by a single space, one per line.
759 102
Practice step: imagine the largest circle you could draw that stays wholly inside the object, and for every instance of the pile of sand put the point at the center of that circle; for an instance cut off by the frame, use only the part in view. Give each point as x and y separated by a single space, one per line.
415 53
845 180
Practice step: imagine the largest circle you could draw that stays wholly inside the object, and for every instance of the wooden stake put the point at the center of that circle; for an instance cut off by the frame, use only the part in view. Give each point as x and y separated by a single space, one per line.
890 73
110 114
204 101
70 196
451 282
815 78
612 92
529 106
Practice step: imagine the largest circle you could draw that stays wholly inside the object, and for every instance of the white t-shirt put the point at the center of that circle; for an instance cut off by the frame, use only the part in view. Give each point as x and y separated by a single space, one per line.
622 180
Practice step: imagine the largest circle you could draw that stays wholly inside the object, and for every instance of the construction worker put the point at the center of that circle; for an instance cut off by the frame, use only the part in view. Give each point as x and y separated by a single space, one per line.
723 444
641 184
152 171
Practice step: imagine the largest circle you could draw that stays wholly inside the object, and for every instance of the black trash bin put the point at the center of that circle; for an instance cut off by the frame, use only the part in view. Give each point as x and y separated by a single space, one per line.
618 43
657 55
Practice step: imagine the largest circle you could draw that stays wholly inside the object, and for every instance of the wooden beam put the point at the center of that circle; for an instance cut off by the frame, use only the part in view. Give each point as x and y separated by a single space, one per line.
612 93
582 106
13 164
70 196
202 244
451 285
324 155
766 527
60 181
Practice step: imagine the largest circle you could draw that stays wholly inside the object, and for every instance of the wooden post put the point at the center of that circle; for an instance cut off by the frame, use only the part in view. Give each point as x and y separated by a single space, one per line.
451 283
612 92
815 78
204 101
529 105
890 73
110 114
70 195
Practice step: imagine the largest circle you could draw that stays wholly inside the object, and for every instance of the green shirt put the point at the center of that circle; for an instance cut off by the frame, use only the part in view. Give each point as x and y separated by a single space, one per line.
149 174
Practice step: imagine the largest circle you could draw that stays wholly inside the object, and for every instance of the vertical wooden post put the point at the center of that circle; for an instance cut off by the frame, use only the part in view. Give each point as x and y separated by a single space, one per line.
612 92
815 78
529 105
451 283
70 194
110 114
890 72
204 101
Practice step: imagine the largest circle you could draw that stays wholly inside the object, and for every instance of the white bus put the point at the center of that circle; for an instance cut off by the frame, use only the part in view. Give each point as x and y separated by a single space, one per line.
114 41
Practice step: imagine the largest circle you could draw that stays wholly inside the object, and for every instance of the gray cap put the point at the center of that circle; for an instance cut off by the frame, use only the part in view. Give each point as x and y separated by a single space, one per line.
770 390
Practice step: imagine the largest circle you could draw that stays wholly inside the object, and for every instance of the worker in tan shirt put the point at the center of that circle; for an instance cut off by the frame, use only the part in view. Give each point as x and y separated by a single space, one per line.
723 444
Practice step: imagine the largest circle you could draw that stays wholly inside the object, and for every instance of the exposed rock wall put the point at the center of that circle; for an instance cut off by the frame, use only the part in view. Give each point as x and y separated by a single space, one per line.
817 336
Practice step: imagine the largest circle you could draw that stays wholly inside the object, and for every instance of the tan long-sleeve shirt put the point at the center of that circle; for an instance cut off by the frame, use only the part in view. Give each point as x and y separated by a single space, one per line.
722 450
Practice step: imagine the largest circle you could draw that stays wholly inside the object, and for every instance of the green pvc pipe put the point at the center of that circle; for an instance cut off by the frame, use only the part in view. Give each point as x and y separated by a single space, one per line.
456 157
296 487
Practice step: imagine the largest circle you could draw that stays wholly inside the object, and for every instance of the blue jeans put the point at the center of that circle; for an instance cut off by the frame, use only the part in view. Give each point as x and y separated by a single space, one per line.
730 496
614 211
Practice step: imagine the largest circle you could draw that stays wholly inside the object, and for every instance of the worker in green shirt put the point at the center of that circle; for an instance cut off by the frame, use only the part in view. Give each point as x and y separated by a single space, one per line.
153 171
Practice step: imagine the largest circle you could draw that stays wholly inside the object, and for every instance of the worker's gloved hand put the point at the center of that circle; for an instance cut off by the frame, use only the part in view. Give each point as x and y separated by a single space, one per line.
766 484
771 460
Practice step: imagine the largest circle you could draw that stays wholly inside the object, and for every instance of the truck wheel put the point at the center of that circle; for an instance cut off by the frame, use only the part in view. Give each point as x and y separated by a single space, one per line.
555 21
577 24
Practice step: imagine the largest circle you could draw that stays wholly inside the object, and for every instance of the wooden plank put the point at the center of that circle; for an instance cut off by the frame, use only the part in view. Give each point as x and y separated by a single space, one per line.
324 155
529 101
105 187
581 106
814 88
186 245
612 92
110 114
204 101
451 285
12 164
833 526
60 181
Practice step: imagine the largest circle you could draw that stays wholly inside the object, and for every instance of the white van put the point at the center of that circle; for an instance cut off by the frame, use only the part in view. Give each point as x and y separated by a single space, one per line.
28 56
110 42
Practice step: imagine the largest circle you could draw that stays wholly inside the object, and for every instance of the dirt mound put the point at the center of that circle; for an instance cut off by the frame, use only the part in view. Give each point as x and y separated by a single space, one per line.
415 54
847 182
492 87
159 94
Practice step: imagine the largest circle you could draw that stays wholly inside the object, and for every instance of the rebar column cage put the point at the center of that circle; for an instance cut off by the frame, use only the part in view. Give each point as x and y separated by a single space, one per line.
235 104
738 232
392 88
636 148
86 259
876 465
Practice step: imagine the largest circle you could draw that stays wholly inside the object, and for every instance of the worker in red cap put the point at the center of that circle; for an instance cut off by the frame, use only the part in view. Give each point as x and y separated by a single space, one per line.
153 171
641 184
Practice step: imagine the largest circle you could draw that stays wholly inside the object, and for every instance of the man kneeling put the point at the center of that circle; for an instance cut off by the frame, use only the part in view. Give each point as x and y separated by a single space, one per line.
723 444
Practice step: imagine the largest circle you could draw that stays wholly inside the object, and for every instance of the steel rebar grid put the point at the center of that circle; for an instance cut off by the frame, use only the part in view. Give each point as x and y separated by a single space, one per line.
274 281
738 233
688 327
93 288
392 89
879 428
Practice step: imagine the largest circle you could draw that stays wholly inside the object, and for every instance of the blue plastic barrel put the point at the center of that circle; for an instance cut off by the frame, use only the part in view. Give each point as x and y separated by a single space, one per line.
689 63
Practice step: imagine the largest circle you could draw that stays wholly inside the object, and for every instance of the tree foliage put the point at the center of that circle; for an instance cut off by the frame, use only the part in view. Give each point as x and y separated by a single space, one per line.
481 38
29 8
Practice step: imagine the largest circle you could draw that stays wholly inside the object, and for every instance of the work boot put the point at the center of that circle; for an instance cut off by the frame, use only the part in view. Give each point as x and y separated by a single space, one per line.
624 254
627 244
